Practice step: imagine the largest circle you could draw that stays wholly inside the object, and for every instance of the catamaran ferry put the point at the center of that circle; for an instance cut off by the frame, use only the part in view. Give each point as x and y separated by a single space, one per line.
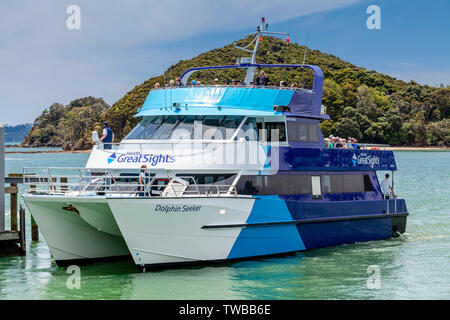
217 173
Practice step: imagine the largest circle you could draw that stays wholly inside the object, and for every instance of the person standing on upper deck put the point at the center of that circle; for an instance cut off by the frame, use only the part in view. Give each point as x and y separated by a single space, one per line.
108 136
262 79
386 187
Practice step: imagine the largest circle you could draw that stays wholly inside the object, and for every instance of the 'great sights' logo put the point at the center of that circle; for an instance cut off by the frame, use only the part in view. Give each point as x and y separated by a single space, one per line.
365 159
137 157
112 158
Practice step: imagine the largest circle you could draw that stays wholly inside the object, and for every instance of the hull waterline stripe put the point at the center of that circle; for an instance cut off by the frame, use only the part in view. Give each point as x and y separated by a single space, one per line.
307 221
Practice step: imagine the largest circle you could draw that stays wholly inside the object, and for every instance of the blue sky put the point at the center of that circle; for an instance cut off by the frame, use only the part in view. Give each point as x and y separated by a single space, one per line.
120 45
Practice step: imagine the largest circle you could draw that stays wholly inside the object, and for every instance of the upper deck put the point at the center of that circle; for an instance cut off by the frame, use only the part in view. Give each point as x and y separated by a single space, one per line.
232 101
246 100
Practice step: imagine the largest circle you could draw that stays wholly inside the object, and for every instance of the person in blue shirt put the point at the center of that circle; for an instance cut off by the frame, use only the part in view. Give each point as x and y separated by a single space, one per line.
108 136
143 181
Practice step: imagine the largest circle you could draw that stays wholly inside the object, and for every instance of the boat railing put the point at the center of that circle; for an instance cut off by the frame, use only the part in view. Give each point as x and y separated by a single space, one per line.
247 86
360 146
82 182
170 145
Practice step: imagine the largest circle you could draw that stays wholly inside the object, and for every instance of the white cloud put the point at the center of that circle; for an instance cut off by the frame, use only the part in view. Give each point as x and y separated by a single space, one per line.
42 62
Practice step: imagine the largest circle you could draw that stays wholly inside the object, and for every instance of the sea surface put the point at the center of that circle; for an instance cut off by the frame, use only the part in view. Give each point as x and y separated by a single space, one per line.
414 266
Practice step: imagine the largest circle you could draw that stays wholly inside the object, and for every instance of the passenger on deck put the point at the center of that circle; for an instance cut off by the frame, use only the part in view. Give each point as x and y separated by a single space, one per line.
294 85
252 84
199 83
157 85
107 137
178 82
216 82
171 83
193 83
386 187
143 181
233 82
283 84
345 145
262 79
354 143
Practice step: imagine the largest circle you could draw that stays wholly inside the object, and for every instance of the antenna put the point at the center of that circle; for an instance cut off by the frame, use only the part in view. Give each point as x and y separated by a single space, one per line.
165 89
169 86
306 42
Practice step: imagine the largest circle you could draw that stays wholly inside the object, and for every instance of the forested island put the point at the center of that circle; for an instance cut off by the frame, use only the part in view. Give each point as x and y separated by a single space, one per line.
365 104
16 134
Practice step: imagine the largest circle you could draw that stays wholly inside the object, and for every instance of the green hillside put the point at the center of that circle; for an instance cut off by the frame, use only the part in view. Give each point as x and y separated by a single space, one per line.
68 126
365 104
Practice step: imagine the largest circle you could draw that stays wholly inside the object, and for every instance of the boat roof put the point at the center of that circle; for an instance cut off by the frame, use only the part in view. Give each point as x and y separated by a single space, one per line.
236 100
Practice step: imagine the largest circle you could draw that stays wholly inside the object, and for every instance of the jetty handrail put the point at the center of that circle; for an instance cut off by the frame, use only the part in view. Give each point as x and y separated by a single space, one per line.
87 183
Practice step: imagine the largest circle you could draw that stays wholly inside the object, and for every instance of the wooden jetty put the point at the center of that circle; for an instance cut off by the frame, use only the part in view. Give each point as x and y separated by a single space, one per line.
12 242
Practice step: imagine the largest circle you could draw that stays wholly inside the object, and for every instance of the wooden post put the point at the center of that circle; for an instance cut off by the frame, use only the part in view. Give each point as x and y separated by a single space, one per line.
2 178
34 227
13 206
23 244
34 230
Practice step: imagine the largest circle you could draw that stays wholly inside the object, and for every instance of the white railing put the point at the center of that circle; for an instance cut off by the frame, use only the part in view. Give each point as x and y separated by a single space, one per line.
361 146
82 182
248 86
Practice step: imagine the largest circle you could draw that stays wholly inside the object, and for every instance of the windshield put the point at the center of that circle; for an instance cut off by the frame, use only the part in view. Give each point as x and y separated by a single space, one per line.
192 127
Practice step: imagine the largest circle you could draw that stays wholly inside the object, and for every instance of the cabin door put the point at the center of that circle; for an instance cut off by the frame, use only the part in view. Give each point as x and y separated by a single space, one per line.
316 189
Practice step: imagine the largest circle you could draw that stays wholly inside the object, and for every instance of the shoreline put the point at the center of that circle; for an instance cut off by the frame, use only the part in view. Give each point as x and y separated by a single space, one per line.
418 148
393 148
49 151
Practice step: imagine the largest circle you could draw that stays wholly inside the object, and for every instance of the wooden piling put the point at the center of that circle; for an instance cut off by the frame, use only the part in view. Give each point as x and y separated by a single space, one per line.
13 190
34 230
23 244
2 178
34 226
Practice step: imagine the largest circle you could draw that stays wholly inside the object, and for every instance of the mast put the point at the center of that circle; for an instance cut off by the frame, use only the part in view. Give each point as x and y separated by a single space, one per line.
260 31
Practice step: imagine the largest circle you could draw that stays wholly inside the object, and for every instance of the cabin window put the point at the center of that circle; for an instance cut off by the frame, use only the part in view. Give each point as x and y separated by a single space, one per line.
274 185
165 129
346 183
193 127
272 131
185 128
248 131
146 128
303 132
294 183
210 128
367 184
316 190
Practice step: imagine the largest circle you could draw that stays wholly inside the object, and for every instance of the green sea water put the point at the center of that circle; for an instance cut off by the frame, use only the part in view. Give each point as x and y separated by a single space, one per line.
414 266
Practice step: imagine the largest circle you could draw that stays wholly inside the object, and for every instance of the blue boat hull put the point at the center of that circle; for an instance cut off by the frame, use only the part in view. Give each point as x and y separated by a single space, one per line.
286 226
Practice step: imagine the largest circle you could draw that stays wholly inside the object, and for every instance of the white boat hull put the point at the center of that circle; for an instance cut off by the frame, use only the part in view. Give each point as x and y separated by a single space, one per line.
70 238
160 232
